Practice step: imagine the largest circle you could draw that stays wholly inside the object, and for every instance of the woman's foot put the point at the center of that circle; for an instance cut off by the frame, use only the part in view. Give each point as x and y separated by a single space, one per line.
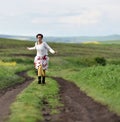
43 80
39 79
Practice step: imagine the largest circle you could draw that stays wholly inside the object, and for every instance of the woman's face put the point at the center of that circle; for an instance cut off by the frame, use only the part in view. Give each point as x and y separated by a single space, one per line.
39 38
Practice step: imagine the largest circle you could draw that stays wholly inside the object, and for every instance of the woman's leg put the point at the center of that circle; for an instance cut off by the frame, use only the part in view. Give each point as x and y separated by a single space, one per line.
39 74
43 78
43 72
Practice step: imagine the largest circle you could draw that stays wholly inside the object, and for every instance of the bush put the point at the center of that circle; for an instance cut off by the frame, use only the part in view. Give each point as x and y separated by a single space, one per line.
100 61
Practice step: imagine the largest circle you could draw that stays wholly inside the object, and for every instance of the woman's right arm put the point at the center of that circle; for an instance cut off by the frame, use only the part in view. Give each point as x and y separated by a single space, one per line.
31 48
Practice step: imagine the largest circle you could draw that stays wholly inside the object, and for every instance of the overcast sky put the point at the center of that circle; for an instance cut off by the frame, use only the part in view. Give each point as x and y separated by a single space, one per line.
60 17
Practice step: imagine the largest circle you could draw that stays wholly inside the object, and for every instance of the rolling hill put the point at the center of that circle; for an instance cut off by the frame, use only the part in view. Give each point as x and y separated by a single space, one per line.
73 39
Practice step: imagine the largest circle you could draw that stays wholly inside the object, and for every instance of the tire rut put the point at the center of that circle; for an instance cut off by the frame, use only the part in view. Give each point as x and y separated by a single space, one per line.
78 107
8 95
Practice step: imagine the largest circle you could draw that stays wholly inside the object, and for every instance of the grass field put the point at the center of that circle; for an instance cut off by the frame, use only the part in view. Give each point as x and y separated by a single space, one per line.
75 62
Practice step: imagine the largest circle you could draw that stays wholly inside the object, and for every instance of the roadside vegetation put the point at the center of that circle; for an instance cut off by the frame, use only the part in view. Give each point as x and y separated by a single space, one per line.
95 68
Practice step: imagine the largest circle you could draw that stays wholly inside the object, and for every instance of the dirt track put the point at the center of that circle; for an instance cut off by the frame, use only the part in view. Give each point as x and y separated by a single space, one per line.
8 95
78 107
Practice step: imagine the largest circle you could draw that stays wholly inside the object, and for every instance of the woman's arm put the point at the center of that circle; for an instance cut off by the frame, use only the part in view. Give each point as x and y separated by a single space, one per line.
31 48
49 48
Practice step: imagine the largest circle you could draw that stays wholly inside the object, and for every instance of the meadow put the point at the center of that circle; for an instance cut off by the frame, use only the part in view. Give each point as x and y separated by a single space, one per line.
95 68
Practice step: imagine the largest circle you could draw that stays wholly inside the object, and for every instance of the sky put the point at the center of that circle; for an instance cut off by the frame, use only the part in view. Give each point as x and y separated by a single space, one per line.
60 17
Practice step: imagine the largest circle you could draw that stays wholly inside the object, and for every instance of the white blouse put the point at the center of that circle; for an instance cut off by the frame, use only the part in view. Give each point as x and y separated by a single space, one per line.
42 49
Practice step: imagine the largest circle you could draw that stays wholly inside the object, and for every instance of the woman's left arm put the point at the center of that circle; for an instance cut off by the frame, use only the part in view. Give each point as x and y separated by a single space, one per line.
49 48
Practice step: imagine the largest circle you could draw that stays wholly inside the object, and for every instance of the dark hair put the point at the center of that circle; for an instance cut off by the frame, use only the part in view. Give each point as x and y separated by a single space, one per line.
39 35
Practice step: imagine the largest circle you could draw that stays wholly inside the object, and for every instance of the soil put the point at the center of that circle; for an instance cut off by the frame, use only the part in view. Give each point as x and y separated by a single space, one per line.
8 95
78 107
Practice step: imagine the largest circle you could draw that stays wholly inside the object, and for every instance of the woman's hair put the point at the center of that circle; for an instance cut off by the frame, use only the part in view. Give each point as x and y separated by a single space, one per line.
39 35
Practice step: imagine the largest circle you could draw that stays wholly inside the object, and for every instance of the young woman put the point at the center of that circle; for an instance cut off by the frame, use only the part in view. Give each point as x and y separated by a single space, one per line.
41 59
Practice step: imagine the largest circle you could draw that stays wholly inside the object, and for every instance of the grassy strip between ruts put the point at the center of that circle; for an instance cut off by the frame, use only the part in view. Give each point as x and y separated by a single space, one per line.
29 104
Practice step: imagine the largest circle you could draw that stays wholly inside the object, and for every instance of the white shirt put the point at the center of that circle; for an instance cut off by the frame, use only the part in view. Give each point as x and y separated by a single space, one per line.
42 49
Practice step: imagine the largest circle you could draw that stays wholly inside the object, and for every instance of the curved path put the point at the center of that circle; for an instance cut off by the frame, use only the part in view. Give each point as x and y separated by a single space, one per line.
8 95
78 107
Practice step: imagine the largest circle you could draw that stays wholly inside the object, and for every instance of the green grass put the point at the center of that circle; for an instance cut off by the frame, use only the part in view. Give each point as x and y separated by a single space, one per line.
75 62
8 49
8 76
111 42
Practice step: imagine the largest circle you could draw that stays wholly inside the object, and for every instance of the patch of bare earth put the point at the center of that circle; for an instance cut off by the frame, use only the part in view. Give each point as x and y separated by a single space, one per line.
8 95
78 107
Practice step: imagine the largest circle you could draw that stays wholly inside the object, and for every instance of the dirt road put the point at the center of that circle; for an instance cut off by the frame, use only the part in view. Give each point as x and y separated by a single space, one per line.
8 95
78 107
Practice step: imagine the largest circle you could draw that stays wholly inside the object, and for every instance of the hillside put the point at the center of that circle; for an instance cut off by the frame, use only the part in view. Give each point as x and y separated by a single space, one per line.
73 39
94 69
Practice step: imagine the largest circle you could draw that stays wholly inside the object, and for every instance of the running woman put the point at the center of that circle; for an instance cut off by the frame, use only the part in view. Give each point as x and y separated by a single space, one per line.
41 59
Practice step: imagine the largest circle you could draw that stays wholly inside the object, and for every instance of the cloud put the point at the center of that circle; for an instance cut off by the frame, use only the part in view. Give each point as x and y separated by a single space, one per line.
85 18
41 20
65 15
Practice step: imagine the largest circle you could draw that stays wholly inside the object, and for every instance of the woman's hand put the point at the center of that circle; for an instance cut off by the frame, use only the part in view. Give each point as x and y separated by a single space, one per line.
56 52
28 48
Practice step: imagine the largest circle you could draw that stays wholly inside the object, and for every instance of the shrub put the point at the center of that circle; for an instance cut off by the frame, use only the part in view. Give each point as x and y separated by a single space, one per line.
100 61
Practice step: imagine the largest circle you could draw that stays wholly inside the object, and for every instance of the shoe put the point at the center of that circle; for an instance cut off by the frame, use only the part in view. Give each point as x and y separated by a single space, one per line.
39 79
43 80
